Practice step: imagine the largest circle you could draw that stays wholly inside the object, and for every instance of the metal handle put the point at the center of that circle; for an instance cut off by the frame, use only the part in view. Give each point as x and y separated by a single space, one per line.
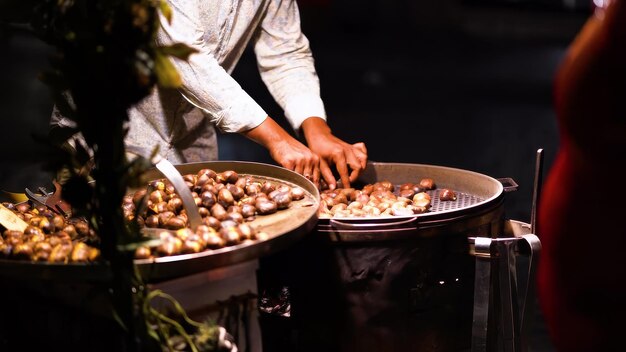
508 183
346 225
515 315
536 190
532 251
482 285
170 172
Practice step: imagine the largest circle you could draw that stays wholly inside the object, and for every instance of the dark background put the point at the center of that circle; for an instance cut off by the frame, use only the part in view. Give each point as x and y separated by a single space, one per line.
466 84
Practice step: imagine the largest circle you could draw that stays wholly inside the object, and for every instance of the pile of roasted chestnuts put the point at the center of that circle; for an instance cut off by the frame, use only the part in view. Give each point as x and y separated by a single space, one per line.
49 237
381 199
226 201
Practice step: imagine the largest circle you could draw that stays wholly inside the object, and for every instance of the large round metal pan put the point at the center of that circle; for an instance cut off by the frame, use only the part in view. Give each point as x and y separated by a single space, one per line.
283 228
479 201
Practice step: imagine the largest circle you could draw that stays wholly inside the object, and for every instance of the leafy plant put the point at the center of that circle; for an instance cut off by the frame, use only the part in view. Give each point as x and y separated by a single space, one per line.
106 61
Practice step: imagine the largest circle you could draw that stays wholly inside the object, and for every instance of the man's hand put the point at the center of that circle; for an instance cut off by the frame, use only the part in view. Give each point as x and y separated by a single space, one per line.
286 150
349 159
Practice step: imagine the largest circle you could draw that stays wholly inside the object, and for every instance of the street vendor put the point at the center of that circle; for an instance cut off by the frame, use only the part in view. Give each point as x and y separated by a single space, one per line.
182 122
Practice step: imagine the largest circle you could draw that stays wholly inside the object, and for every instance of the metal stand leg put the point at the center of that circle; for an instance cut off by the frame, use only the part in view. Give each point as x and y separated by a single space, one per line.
513 316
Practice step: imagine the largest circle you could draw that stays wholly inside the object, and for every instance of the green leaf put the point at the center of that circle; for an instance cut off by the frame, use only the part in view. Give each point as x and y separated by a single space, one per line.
178 50
166 73
166 10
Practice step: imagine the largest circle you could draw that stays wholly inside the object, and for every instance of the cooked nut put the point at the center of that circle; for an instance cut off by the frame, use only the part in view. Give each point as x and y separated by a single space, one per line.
427 183
268 187
282 199
60 253
230 235
218 212
236 217
190 246
208 172
247 210
174 223
204 212
247 232
143 252
236 191
265 206
175 204
164 217
184 233
22 251
22 207
447 195
225 197
212 222
228 176
208 199
80 253
253 189
297 193
407 193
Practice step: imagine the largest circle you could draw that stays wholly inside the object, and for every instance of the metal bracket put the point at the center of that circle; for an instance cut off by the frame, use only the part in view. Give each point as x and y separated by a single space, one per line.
512 314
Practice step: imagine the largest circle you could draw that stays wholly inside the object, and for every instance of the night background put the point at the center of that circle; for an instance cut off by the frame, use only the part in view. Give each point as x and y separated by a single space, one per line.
465 84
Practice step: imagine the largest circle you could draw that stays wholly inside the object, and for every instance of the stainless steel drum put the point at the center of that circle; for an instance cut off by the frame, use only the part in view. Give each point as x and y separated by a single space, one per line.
393 283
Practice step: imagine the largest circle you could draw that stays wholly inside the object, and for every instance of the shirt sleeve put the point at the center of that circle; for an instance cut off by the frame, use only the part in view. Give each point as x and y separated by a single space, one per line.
286 63
205 83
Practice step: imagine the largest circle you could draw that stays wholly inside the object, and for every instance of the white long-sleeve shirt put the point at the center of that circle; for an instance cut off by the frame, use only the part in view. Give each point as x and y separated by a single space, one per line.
181 121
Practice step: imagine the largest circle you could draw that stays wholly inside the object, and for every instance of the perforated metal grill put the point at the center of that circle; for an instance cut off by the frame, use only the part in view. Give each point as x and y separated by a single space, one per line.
463 200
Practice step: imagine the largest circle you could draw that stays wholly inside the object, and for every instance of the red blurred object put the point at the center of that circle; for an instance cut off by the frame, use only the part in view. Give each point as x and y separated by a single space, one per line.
582 273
